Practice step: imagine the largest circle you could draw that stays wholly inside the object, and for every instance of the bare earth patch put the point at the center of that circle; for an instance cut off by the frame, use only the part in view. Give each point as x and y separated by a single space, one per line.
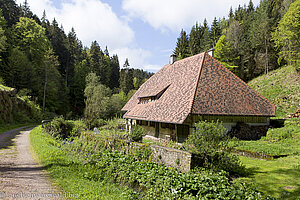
21 177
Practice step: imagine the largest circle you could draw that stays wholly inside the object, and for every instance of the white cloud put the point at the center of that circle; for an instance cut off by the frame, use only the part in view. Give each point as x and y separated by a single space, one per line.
152 68
137 57
177 14
92 20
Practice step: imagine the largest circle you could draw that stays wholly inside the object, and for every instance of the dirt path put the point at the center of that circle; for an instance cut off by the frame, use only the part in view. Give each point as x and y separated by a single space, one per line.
21 177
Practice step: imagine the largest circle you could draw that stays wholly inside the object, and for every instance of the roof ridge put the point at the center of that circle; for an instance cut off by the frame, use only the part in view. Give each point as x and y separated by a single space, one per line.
200 70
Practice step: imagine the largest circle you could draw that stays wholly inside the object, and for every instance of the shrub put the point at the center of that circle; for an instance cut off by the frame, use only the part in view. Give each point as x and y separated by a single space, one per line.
137 133
96 123
211 144
78 127
59 128
115 124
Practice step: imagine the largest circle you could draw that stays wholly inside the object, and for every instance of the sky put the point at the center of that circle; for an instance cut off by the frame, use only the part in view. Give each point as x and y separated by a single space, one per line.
144 31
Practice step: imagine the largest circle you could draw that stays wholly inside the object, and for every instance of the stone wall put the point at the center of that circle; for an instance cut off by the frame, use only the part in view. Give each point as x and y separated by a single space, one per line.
171 157
167 156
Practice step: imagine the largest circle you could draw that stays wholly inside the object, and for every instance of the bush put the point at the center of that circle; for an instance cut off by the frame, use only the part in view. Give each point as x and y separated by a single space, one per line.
97 123
211 144
137 133
78 127
59 128
114 124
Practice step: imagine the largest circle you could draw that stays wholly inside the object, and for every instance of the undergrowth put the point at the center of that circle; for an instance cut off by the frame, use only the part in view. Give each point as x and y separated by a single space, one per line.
104 169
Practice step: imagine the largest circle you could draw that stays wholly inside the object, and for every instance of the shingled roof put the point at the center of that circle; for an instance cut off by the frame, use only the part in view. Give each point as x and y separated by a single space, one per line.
195 85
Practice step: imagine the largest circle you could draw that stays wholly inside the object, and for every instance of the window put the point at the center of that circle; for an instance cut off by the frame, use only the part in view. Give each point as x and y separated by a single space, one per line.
144 100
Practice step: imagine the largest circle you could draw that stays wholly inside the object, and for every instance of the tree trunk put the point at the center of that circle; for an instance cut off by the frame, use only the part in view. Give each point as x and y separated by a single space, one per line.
266 56
45 87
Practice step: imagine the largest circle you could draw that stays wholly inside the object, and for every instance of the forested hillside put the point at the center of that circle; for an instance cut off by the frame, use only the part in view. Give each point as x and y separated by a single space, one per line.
50 66
252 40
55 70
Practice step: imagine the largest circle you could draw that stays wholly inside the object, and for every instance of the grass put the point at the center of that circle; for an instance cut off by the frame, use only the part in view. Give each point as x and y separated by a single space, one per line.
279 141
282 88
280 177
69 171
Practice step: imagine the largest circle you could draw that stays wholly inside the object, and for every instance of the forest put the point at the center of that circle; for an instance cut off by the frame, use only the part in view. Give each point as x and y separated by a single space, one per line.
55 70
251 41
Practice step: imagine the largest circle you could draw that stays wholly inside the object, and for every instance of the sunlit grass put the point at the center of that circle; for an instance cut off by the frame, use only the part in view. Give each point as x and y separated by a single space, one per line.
68 171
279 178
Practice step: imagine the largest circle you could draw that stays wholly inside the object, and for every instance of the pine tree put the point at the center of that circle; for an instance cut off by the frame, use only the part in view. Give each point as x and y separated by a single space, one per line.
250 7
11 12
126 80
194 40
182 46
205 39
60 45
231 15
215 32
115 72
126 64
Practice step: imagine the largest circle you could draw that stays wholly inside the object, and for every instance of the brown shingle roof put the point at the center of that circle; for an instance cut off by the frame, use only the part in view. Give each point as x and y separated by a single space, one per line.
197 85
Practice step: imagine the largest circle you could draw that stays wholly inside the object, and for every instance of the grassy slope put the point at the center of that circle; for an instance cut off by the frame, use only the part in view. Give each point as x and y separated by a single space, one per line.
280 177
282 88
69 172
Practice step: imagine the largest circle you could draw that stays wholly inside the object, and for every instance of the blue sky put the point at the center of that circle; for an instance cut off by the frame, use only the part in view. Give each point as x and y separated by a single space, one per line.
144 31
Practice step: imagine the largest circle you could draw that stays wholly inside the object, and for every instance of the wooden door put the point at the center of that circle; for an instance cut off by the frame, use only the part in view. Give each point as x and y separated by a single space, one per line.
182 133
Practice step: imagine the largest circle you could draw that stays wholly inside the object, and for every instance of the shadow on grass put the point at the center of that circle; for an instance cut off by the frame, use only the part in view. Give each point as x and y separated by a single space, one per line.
282 183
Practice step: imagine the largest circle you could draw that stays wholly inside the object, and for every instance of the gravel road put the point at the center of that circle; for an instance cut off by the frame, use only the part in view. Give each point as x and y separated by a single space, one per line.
21 177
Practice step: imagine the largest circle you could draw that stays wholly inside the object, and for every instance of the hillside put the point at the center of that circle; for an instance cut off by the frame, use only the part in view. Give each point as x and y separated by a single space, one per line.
282 88
15 109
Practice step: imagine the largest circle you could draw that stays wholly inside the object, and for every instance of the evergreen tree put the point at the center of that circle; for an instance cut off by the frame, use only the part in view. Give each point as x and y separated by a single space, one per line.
115 72
60 45
10 11
95 55
126 80
182 46
126 64
215 32
250 7
205 39
260 37
195 40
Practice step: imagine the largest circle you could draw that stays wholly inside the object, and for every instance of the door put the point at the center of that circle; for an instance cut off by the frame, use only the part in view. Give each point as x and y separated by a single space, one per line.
157 129
182 133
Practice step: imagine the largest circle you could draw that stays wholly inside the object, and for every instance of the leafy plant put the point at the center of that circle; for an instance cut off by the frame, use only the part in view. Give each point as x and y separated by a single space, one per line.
137 133
59 128
211 144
